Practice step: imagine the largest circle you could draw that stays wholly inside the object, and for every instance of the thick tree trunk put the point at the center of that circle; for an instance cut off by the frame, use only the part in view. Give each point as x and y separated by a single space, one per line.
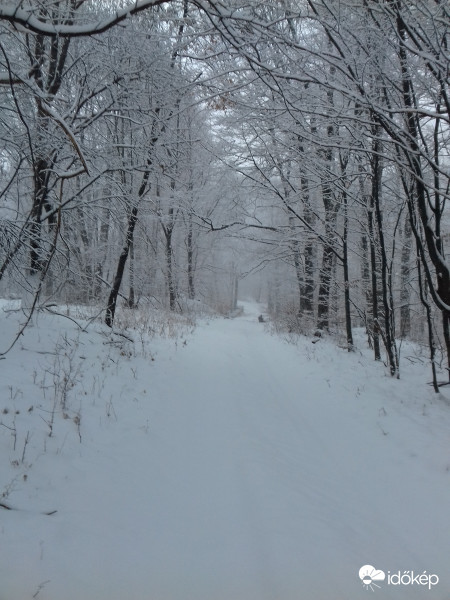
347 305
48 58
42 170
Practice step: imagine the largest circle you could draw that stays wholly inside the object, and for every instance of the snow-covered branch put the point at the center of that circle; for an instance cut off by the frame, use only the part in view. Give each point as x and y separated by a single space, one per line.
26 19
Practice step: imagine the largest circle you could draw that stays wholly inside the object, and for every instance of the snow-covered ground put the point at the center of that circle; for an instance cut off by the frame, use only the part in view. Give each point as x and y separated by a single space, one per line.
225 464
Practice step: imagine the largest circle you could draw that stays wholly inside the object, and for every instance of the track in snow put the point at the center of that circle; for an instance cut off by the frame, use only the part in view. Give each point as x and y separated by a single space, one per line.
250 471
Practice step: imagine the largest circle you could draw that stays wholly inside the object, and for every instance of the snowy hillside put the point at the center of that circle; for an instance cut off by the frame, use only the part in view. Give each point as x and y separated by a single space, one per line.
222 464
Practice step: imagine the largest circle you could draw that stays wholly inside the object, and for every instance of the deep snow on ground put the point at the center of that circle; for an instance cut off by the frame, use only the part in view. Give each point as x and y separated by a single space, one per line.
225 464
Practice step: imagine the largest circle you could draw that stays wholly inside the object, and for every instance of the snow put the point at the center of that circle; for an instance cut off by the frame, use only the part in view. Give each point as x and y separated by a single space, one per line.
21 17
225 464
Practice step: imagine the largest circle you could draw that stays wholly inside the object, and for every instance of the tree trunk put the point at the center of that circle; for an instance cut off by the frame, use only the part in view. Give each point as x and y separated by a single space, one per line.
112 300
373 281
307 285
431 342
331 208
168 231
190 260
131 299
405 296
388 334
348 318
323 305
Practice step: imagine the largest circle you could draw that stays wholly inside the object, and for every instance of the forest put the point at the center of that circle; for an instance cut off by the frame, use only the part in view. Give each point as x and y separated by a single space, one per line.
181 153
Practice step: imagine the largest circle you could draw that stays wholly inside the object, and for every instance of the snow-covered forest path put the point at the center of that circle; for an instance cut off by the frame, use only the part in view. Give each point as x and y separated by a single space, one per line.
240 467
